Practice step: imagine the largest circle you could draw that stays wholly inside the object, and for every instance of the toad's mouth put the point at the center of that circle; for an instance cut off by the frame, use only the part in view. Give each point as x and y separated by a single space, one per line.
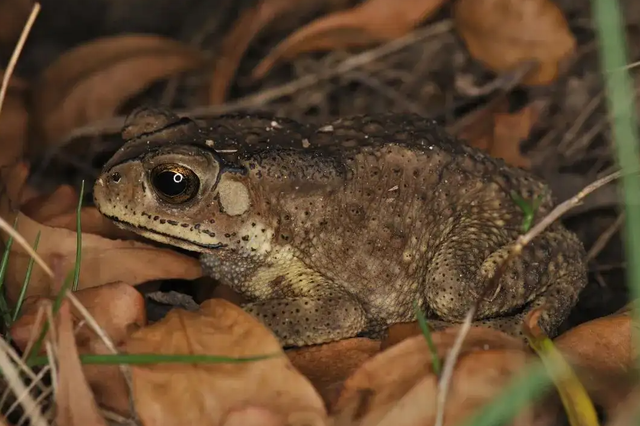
159 236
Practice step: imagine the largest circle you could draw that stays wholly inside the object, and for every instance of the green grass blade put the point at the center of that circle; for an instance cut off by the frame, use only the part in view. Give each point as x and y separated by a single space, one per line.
72 280
25 284
57 302
422 322
575 399
4 265
146 359
76 276
622 112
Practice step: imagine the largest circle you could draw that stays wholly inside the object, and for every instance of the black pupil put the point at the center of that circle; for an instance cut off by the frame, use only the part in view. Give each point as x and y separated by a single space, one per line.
170 183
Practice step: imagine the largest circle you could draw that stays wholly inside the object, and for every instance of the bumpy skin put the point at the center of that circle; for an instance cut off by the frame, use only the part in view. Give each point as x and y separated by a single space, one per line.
334 231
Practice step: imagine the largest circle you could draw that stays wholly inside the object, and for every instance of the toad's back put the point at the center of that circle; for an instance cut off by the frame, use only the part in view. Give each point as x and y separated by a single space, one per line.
347 224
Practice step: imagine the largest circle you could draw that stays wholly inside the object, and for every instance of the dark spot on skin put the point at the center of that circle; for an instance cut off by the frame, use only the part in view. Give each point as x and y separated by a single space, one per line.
172 222
156 217
163 221
184 225
196 226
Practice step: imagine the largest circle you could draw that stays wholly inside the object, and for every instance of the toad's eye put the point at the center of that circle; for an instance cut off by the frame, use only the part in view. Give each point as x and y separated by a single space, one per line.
174 183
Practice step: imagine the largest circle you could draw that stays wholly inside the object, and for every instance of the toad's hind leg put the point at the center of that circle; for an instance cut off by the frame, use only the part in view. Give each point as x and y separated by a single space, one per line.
550 272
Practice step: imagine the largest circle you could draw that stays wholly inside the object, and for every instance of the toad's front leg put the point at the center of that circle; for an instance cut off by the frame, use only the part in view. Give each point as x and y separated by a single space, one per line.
310 320
300 306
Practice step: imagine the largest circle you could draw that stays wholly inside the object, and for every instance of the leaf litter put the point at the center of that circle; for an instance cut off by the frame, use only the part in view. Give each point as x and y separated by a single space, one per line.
72 92
360 381
372 21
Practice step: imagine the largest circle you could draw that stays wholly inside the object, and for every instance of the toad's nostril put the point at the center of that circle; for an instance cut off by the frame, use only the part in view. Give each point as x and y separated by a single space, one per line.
115 177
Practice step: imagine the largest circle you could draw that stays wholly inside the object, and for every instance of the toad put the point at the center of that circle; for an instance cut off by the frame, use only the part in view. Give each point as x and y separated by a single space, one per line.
336 231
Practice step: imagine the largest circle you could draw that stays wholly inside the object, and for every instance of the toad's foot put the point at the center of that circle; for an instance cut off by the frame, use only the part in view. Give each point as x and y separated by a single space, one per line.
304 321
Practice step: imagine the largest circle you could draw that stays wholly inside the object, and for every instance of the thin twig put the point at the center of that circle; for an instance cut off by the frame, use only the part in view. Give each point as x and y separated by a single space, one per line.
40 402
32 385
604 238
14 380
4 225
449 364
564 207
3 91
91 321
16 52
26 370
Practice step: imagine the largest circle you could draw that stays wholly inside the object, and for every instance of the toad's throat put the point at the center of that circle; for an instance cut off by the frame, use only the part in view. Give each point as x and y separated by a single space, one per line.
141 229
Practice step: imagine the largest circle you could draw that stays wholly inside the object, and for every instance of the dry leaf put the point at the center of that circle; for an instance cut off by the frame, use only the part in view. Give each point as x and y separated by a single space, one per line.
250 23
398 386
91 81
75 405
328 365
205 393
117 308
370 22
602 354
13 120
104 261
92 222
499 132
503 34
509 130
63 200
253 21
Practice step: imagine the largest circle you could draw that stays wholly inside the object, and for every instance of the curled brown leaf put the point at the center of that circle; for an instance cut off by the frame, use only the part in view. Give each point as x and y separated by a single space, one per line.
248 26
209 393
91 81
370 22
503 34
398 385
